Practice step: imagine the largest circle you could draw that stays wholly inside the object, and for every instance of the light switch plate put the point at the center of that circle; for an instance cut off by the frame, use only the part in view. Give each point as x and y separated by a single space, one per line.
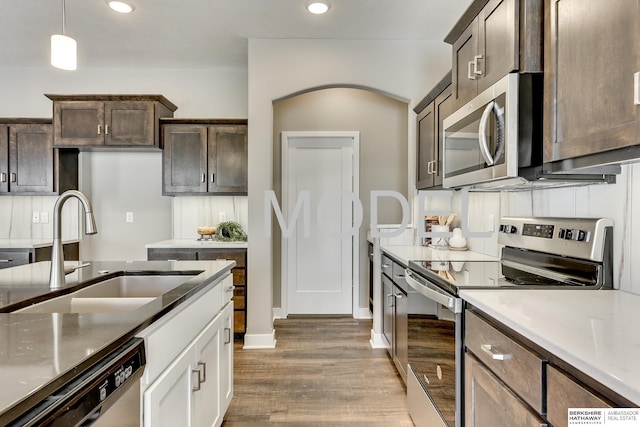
129 217
44 217
36 218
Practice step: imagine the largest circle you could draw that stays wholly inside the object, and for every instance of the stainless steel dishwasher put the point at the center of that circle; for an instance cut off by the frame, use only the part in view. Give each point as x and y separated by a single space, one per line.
105 394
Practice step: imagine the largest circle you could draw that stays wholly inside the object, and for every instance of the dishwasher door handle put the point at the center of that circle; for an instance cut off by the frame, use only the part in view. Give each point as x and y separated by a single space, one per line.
433 292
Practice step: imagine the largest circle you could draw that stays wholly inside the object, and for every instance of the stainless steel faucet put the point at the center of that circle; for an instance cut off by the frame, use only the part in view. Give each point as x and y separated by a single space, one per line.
56 278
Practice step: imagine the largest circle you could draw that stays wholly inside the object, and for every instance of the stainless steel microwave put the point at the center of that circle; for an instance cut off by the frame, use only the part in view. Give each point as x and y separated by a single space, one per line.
494 134
494 142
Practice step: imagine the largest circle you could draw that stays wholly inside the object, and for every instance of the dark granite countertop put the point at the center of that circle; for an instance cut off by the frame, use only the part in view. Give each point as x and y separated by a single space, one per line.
40 352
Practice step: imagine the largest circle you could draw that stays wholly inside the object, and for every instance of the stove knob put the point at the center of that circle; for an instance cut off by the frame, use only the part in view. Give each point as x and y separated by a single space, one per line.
510 229
563 233
579 235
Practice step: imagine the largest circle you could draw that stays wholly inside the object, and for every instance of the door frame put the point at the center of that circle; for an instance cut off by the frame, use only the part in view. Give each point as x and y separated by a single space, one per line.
355 255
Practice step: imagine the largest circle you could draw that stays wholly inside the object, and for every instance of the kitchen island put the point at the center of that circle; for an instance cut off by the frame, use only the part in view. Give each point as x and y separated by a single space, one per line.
41 351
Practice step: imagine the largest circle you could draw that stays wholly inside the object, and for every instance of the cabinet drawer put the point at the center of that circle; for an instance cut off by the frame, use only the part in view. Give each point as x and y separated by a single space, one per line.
518 367
564 393
387 266
238 322
238 297
398 276
11 259
238 257
489 402
239 276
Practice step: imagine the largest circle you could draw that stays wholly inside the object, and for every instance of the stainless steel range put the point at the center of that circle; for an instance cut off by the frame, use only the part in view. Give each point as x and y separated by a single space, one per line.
537 253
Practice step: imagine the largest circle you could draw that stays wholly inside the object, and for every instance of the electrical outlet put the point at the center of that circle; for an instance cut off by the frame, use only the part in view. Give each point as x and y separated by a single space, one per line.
44 217
223 216
129 217
36 217
491 219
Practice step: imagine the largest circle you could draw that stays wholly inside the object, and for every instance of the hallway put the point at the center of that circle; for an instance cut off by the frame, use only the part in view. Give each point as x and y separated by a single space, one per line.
323 372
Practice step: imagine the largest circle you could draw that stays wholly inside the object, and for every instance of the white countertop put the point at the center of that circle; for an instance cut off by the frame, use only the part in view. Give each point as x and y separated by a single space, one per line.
405 254
594 331
30 243
198 244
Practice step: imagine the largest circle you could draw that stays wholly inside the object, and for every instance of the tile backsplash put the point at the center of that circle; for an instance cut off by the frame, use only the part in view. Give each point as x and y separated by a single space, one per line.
615 201
189 213
16 217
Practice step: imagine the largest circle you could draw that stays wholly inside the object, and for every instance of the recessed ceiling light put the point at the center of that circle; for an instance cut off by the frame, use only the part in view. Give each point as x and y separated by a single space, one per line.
318 7
121 6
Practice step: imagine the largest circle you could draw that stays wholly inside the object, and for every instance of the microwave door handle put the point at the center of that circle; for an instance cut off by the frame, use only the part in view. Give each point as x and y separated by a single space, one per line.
452 303
482 131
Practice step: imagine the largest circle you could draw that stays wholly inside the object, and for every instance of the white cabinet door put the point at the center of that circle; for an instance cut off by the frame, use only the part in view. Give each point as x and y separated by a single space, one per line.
226 363
206 401
168 401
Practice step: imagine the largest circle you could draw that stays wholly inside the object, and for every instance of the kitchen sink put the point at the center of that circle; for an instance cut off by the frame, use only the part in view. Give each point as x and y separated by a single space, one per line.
122 293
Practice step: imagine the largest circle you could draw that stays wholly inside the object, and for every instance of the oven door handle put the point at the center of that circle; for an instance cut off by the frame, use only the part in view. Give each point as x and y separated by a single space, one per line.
433 292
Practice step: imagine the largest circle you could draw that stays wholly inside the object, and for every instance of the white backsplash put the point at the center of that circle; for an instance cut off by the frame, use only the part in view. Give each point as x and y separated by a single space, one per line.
16 217
189 213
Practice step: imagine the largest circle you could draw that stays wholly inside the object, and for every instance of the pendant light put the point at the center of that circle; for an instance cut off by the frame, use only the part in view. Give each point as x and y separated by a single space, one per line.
63 48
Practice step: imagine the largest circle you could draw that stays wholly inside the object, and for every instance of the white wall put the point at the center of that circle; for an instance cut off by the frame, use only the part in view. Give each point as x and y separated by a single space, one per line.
278 68
119 182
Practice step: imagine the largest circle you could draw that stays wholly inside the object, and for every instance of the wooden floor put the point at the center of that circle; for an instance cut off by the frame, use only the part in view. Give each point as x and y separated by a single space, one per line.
323 372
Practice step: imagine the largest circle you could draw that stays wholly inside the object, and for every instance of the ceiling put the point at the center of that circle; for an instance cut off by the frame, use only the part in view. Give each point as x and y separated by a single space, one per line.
205 33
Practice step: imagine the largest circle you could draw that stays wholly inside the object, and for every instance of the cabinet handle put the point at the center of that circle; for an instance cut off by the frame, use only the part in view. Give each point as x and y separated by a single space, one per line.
14 177
470 72
5 260
99 129
434 168
493 352
212 177
476 69
230 288
227 335
636 88
197 386
390 300
399 296
106 129
3 177
386 265
399 276
430 168
203 371
203 177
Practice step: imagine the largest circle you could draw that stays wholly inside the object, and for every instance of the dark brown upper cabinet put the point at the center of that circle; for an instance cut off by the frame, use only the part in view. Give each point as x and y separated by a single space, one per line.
204 157
103 121
494 38
432 111
28 162
592 83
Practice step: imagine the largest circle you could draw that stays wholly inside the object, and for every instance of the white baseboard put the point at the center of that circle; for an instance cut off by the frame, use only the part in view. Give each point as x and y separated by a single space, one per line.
378 341
363 313
256 341
277 313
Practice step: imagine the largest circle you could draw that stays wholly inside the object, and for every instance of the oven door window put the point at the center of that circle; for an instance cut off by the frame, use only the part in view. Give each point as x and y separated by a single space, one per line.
432 352
470 146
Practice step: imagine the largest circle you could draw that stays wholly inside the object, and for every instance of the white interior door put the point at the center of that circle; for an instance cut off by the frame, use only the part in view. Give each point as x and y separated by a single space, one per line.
319 267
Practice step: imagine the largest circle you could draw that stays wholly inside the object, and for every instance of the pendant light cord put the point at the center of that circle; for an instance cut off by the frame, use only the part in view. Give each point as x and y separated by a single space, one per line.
63 17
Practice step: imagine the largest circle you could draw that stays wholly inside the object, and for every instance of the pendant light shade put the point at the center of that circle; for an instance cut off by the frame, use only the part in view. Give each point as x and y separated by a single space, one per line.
64 49
64 52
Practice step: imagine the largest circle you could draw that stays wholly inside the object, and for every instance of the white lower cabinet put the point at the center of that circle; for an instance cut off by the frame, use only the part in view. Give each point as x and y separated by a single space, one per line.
196 388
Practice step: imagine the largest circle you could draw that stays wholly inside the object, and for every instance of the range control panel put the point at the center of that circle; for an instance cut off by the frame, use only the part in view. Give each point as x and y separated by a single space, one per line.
573 237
